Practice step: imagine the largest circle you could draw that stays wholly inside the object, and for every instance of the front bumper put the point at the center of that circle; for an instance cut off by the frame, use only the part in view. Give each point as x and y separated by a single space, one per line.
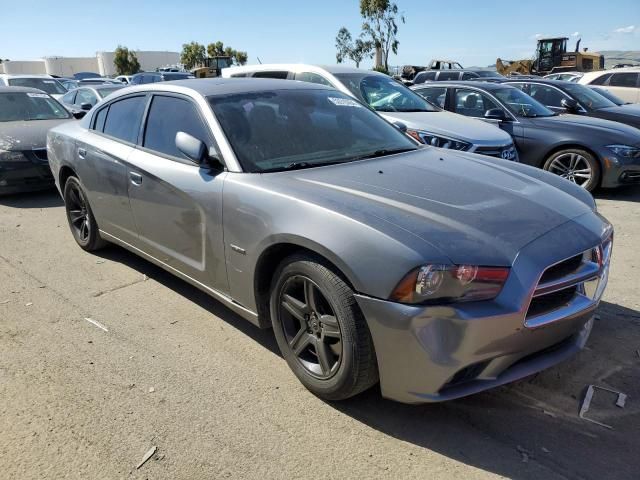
27 176
619 171
436 353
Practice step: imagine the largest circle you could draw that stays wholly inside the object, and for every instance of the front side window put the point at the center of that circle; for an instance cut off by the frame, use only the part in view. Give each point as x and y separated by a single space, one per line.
69 98
546 95
521 104
435 95
49 85
86 96
628 79
124 117
472 103
28 106
296 128
168 116
383 93
312 78
601 80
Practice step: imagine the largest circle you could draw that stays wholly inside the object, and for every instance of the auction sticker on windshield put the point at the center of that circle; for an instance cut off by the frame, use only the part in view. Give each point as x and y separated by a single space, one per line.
343 102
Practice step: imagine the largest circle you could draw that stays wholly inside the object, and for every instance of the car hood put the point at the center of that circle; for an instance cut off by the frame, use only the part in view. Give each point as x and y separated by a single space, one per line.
610 128
470 208
629 114
27 135
452 125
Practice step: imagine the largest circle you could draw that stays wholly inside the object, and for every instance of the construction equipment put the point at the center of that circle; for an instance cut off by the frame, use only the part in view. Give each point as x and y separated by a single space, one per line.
212 66
552 57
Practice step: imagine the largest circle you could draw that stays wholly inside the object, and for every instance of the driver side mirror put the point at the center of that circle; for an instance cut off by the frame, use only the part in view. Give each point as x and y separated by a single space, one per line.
569 104
400 126
86 106
495 114
197 151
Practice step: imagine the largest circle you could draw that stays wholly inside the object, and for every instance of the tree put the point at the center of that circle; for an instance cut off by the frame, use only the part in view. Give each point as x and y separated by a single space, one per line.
348 49
192 54
218 49
125 61
381 27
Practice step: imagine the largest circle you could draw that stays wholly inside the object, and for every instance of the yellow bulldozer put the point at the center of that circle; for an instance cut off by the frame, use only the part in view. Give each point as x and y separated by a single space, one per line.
552 57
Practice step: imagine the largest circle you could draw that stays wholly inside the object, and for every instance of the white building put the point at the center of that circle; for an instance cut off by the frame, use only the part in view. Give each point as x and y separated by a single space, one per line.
102 64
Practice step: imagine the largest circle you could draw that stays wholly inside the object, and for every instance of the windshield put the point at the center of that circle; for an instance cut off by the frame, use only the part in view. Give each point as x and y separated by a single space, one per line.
29 106
103 92
588 98
49 85
521 104
607 94
286 129
383 93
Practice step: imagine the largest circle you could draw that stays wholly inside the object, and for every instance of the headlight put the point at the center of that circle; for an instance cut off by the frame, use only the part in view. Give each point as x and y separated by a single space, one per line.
450 283
438 140
625 151
11 157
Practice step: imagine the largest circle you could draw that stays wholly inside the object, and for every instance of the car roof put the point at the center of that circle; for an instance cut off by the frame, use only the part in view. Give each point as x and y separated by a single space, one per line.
19 90
333 69
546 81
222 86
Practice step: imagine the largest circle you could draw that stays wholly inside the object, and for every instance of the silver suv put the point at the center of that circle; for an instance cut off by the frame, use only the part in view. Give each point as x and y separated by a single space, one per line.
424 121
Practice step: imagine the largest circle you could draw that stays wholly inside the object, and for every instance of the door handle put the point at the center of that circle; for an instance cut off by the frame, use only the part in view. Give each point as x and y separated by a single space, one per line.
82 153
136 178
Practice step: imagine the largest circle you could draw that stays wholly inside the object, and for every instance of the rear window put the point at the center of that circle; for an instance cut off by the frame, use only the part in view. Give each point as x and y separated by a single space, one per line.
124 117
448 76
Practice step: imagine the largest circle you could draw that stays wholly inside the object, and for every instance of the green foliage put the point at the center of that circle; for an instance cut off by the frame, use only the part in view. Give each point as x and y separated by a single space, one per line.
380 26
348 49
192 54
218 49
125 61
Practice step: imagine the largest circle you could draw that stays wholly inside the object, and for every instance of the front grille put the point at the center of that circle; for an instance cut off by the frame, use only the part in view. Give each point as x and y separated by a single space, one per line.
41 154
562 269
507 152
550 302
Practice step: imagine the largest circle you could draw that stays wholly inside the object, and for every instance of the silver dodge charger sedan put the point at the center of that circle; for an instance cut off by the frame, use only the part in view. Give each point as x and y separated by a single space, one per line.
437 273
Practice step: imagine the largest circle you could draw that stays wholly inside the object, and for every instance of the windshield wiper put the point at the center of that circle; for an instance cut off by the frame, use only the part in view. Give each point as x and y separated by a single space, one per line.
300 166
382 153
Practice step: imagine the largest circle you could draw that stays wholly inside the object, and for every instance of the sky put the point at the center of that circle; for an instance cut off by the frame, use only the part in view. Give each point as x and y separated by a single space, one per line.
474 33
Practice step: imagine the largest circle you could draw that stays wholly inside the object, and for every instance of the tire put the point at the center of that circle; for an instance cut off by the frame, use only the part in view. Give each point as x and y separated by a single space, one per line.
331 323
80 217
573 164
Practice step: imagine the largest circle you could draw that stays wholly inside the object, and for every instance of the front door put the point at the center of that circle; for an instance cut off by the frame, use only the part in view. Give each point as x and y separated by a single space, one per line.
176 203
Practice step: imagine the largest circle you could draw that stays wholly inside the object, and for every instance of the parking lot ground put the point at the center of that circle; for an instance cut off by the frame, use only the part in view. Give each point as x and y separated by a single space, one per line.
104 356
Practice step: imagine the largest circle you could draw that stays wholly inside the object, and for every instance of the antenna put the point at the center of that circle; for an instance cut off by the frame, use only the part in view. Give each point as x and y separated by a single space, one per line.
259 61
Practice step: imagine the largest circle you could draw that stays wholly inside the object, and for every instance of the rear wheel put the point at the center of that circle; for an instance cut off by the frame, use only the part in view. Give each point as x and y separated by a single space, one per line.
320 330
577 166
81 220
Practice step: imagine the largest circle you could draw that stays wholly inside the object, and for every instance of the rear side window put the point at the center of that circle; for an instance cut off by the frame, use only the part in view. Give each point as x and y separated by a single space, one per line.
629 79
168 116
424 77
123 118
101 116
448 76
469 75
601 80
280 75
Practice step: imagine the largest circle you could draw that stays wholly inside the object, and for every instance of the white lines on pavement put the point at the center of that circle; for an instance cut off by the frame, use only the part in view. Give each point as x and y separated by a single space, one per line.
97 324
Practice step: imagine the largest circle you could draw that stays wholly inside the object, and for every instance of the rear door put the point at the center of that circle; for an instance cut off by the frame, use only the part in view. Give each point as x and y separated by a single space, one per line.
103 152
176 203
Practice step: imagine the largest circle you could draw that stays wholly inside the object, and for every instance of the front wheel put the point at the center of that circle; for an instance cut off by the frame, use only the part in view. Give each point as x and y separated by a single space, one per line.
320 330
577 166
